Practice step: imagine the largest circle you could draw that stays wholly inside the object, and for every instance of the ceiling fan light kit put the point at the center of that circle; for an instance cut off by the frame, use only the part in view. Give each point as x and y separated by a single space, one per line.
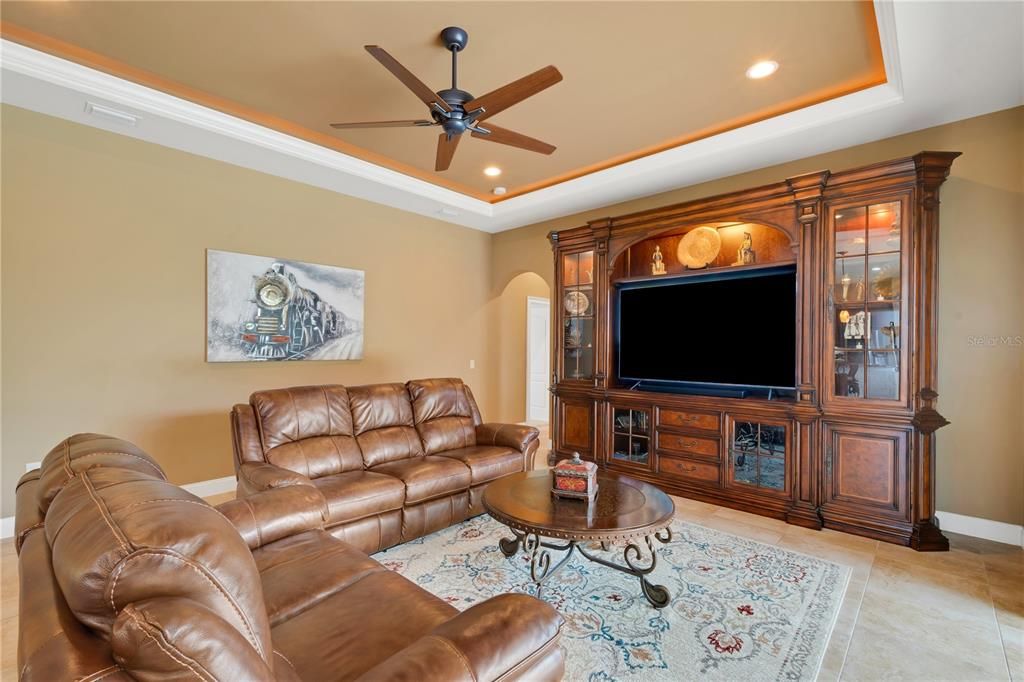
457 111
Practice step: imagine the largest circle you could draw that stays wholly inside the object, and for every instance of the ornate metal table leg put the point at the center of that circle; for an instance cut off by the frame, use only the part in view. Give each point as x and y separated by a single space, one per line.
509 546
657 595
540 559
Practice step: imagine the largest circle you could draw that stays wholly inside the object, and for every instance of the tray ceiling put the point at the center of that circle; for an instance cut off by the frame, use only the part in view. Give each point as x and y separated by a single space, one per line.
638 77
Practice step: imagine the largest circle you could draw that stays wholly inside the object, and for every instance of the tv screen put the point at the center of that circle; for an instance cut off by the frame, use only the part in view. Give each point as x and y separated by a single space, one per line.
726 328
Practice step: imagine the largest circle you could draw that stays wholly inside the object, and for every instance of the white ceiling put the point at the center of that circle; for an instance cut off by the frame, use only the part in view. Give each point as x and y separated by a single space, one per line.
945 61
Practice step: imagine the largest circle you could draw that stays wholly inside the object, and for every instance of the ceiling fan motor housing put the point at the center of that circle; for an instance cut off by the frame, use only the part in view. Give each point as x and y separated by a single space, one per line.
454 38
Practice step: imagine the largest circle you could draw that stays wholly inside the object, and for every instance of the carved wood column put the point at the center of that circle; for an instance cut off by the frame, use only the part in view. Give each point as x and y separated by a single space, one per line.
932 170
807 190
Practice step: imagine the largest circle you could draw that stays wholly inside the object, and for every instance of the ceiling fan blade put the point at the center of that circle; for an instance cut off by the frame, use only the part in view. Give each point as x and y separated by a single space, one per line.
514 92
383 124
514 139
445 150
419 88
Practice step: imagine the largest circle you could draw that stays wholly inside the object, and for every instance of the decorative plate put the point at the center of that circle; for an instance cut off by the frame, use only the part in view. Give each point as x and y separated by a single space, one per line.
699 247
576 303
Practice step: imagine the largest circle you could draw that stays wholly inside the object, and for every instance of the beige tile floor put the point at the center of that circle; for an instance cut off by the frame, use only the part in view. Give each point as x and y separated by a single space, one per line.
956 615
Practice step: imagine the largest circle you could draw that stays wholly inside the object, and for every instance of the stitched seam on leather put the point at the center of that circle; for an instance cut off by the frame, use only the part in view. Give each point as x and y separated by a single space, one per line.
448 644
203 573
125 454
542 649
255 522
105 513
285 659
67 458
172 652
106 672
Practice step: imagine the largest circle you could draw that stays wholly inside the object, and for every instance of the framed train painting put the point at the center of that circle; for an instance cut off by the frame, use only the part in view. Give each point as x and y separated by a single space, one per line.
272 309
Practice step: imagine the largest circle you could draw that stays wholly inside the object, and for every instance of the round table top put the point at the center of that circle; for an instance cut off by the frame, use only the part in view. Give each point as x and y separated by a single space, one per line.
623 508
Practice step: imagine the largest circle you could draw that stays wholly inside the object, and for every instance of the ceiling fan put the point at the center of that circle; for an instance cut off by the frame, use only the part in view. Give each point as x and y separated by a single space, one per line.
457 111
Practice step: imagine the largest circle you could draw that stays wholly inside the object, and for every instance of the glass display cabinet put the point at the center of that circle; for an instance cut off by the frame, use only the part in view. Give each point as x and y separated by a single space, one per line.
631 436
757 453
866 301
578 315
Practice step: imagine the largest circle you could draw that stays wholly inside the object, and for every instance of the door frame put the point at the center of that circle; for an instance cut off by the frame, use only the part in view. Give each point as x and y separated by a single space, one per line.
532 301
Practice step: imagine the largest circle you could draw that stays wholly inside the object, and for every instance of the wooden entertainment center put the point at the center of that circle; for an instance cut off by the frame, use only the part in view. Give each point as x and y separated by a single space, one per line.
853 448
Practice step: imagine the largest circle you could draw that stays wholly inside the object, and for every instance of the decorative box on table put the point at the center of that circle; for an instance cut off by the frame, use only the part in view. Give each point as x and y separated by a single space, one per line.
574 478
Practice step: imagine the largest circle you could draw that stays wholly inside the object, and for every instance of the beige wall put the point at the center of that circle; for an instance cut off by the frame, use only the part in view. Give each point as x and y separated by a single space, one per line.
980 460
103 287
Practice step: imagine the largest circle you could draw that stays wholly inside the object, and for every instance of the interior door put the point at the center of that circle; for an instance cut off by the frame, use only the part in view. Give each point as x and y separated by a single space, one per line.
538 358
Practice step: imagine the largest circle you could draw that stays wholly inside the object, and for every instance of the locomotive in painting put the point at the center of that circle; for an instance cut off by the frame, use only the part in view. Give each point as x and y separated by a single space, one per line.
288 320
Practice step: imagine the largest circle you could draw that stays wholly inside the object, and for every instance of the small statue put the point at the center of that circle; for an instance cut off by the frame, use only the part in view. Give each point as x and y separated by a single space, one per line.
745 255
657 262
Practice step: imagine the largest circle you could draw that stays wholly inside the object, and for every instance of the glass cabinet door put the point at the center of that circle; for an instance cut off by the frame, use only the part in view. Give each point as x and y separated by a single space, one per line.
631 436
757 454
865 301
578 306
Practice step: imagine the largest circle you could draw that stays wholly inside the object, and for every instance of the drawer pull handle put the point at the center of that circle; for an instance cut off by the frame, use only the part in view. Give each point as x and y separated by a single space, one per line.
688 443
684 467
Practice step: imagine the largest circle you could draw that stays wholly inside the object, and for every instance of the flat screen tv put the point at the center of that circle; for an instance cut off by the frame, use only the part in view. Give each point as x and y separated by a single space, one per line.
725 329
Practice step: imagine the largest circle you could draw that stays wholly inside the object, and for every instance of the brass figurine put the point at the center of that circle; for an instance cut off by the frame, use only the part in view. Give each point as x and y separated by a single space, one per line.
657 262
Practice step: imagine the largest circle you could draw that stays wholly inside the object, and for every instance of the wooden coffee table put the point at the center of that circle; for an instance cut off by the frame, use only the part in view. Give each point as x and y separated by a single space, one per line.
625 510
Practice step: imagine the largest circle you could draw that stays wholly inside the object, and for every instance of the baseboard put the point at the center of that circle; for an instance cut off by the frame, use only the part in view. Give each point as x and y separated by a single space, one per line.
214 486
997 531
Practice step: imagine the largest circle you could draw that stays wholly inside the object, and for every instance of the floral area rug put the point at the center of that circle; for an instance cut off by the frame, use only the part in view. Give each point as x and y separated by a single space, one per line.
740 610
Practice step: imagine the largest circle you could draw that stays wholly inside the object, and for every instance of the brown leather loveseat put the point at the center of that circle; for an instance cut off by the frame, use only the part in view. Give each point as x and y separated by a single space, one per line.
394 461
125 576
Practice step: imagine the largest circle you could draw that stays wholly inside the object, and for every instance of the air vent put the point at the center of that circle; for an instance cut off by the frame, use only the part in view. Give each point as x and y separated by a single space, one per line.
111 115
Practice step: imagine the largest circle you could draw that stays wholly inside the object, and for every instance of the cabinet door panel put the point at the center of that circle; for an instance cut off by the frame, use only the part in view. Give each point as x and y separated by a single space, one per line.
576 426
866 469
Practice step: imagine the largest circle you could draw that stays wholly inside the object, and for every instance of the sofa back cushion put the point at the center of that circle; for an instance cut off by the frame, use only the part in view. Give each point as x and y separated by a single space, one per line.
307 429
443 414
383 421
119 537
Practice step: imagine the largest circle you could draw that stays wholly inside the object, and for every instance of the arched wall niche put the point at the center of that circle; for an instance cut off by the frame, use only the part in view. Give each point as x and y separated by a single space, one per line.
771 244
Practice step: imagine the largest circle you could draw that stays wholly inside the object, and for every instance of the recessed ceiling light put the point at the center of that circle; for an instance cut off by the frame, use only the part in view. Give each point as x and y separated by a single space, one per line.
499 190
492 171
762 69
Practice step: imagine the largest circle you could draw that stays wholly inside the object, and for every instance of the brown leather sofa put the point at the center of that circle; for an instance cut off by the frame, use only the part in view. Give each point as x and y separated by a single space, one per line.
126 576
395 462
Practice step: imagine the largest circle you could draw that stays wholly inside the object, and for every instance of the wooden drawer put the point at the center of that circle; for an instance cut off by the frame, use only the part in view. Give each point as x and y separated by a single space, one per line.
689 420
705 472
691 445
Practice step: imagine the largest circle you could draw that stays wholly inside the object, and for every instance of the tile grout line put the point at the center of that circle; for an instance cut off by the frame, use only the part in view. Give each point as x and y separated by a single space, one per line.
999 627
856 617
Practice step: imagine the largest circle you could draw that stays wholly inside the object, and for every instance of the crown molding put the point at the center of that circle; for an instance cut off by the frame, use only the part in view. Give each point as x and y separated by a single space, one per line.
944 62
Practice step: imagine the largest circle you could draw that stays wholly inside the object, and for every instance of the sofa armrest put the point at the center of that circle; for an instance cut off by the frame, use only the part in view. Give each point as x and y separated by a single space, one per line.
510 636
526 439
245 435
277 513
254 477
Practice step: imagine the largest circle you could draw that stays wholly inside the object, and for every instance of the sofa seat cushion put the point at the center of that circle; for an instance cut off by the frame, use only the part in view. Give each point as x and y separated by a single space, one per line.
355 495
353 630
428 477
487 462
303 570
